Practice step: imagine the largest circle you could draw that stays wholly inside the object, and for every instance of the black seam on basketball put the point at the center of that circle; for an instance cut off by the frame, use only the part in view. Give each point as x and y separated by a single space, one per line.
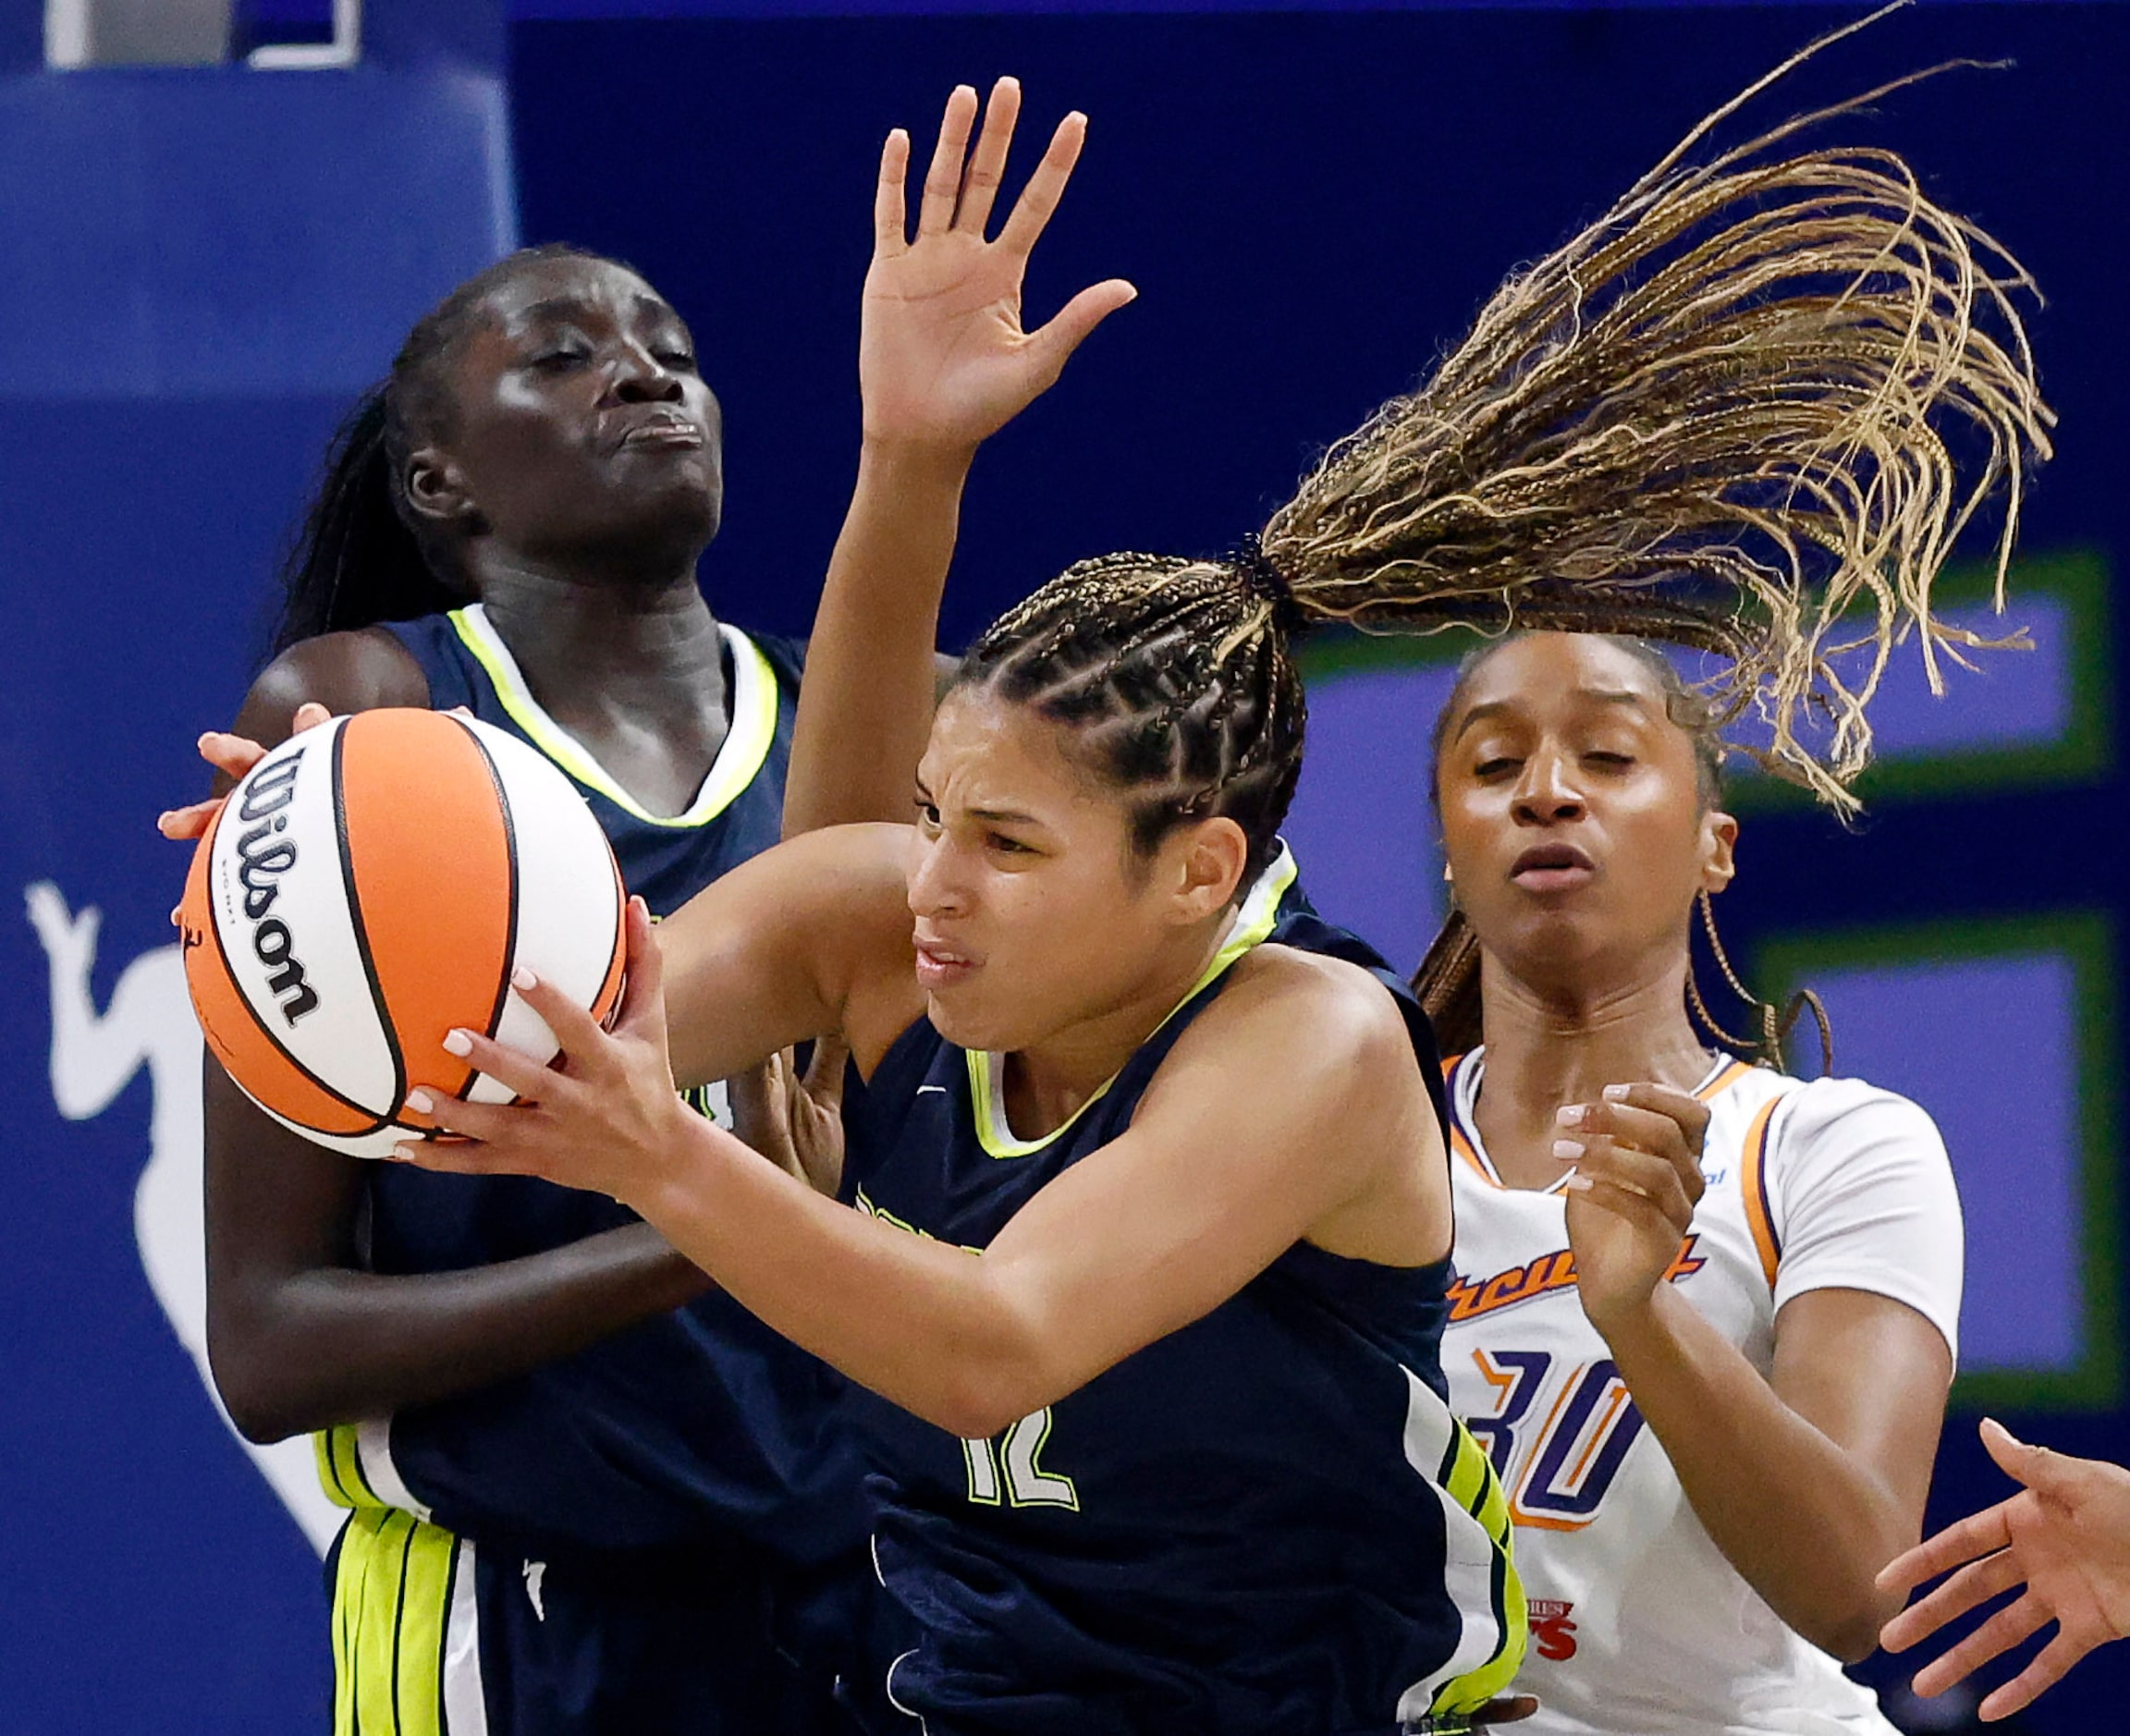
464 1093
354 902
618 956
266 1031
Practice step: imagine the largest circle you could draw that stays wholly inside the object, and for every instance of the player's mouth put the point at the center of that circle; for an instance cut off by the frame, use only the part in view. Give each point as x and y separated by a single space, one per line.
664 428
940 966
1552 868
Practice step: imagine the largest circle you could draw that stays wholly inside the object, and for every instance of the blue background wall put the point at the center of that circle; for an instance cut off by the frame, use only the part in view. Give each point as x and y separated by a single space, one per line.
1310 205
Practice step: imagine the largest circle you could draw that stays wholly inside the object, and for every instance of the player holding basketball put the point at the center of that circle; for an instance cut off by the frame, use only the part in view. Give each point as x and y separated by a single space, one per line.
1159 1459
587 1485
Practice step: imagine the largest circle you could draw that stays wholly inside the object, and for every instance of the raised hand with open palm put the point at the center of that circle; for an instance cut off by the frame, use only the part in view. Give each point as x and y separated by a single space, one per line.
945 356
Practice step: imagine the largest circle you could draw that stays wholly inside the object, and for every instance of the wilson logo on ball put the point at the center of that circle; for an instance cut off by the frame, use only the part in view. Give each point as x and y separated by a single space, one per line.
266 856
368 887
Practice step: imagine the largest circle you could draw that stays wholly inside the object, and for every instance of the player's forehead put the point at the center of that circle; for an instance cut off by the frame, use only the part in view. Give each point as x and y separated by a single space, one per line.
1547 674
986 755
574 289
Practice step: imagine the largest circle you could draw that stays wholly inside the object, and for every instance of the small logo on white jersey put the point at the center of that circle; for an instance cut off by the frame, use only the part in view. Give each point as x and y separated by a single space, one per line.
534 1572
1553 1629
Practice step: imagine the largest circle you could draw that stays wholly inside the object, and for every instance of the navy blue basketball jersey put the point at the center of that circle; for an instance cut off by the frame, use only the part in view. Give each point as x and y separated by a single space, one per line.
1268 1522
697 1430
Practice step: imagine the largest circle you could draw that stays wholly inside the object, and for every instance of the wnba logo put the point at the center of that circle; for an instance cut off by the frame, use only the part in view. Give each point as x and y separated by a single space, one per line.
265 855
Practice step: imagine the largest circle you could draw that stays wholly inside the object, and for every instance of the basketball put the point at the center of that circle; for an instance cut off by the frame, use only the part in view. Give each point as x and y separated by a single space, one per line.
370 886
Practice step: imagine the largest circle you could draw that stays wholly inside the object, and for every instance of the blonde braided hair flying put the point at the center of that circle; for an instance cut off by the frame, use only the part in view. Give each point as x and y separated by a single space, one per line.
1749 410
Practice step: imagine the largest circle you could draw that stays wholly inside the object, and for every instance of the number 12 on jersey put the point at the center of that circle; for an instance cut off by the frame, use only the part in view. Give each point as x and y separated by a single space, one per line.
1557 1467
1009 1466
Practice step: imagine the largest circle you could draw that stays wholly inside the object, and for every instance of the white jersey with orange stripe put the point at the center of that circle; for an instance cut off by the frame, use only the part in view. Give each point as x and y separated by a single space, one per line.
1639 1626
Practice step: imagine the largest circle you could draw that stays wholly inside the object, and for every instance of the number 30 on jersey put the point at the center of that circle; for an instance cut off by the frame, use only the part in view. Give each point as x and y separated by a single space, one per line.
1557 1459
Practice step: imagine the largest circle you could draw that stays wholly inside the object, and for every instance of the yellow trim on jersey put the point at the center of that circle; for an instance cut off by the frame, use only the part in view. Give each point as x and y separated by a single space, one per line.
1468 1479
747 742
391 1610
1256 918
341 1468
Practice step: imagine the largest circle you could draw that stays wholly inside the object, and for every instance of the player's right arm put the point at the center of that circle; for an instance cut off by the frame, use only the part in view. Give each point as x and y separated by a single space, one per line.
944 362
300 1336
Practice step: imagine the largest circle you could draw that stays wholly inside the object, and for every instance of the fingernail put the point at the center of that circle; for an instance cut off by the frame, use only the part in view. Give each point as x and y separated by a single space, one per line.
1616 1094
1569 1115
205 736
1568 1150
401 1153
521 979
459 1043
421 1102
1577 1184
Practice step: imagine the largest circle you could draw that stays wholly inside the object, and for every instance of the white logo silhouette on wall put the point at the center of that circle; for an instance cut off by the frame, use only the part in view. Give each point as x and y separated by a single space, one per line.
94 1056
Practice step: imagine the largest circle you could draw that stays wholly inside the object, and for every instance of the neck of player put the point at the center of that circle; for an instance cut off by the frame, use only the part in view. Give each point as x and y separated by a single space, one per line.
632 667
1556 1044
1051 1081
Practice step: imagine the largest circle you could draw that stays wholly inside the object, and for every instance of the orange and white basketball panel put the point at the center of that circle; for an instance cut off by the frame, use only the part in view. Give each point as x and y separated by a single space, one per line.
429 837
283 918
570 899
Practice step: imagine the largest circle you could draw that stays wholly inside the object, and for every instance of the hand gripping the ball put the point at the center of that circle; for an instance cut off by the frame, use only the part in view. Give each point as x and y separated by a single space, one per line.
232 756
607 1118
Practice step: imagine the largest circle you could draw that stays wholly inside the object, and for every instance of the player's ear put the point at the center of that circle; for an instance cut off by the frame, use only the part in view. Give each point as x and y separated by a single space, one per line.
437 491
1206 860
1718 850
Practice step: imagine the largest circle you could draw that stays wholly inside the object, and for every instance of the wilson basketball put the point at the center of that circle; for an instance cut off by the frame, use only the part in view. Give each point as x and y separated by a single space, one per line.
371 884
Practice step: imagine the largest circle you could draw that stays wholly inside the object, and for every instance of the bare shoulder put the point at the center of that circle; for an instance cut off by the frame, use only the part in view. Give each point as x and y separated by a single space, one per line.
1320 1022
1339 1004
363 670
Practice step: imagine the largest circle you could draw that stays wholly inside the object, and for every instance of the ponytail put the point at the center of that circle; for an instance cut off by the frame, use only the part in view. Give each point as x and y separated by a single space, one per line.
356 562
1722 415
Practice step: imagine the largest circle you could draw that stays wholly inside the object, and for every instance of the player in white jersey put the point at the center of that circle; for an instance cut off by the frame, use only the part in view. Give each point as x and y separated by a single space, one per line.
1706 1315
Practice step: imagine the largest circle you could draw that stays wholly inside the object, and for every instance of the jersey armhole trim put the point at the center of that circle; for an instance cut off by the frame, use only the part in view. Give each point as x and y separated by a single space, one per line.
1760 1207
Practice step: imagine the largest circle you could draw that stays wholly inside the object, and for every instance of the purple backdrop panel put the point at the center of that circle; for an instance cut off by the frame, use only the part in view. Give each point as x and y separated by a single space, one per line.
2009 699
1990 1047
1363 826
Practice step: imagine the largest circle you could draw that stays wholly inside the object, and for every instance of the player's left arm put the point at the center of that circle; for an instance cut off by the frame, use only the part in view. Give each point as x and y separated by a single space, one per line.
1248 1144
1811 1478
944 362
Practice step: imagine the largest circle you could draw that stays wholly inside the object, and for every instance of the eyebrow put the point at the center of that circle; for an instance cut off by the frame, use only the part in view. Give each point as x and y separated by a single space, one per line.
571 307
1499 707
990 816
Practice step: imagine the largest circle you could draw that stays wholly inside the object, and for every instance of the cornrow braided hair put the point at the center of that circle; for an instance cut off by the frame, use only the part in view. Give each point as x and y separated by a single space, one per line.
1726 414
362 556
1171 682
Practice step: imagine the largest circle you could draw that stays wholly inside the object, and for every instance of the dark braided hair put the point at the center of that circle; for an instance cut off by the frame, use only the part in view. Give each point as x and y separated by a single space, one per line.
1716 417
362 556
1170 683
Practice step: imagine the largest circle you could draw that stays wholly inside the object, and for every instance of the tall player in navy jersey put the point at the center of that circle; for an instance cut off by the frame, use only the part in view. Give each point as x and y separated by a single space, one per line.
589 1491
